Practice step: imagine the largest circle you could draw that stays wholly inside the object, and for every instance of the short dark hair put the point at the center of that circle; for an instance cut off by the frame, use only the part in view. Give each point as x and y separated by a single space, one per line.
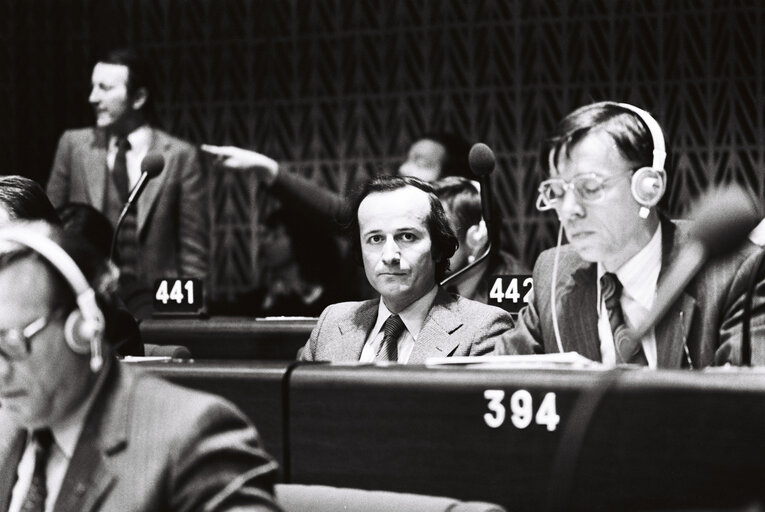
25 199
462 198
632 137
456 150
442 238
139 74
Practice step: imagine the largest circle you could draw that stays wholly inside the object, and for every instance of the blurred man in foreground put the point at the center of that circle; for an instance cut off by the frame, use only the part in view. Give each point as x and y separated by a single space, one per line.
606 165
401 234
81 431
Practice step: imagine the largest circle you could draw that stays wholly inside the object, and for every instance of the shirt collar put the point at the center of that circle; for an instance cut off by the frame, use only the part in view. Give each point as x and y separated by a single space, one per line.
413 315
67 432
639 274
140 139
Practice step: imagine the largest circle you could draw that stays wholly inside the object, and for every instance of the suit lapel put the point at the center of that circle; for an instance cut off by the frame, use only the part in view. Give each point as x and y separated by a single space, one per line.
353 332
671 331
577 310
96 172
88 479
151 191
12 443
435 340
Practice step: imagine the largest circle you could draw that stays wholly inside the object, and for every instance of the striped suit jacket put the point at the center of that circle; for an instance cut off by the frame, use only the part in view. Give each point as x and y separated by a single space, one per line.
705 319
153 446
455 326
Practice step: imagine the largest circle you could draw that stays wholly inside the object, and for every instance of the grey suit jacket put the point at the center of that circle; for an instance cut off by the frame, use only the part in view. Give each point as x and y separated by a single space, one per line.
148 445
455 326
705 319
172 232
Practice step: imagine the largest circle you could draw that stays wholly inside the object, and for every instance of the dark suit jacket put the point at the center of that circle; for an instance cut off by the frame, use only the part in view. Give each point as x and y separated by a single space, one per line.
148 445
171 219
455 326
706 316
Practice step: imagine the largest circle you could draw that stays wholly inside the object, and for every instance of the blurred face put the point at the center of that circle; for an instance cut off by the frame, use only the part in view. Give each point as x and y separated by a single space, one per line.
49 384
608 230
396 246
424 160
109 95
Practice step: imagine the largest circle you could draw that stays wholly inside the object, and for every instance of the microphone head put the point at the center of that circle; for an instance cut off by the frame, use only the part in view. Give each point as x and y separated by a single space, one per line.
152 164
481 159
723 219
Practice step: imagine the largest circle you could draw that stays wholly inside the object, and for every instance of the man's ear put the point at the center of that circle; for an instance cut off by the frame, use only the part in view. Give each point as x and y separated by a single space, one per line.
140 97
476 238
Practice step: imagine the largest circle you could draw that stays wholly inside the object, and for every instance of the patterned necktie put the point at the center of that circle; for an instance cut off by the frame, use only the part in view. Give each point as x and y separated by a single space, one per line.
119 171
388 350
35 498
627 350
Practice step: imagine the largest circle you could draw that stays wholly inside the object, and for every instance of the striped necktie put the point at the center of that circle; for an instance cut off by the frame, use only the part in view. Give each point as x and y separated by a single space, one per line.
388 350
627 349
38 491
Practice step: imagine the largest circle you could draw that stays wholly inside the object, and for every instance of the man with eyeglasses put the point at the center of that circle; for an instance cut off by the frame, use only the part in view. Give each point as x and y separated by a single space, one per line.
606 166
81 431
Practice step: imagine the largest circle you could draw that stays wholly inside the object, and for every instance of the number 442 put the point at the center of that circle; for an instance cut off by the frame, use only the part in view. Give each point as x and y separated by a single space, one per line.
521 407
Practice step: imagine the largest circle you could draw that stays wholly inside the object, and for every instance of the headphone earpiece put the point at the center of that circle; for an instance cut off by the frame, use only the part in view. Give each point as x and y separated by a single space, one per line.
84 327
648 186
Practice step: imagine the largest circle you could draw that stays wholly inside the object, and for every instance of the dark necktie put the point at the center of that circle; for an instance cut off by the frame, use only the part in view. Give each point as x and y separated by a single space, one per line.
35 498
119 171
388 351
627 350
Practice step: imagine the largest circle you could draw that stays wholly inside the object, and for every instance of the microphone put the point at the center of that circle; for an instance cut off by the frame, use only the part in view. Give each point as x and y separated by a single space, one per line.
723 221
151 165
482 161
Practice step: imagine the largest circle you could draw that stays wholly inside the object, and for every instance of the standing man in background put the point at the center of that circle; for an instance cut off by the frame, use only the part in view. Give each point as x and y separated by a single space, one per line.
164 233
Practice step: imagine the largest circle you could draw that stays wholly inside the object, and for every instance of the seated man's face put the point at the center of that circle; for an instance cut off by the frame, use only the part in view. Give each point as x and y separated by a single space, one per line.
52 380
109 94
396 246
424 160
608 230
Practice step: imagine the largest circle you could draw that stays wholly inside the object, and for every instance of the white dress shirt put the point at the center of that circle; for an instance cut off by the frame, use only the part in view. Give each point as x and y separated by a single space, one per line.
639 276
65 437
413 317
140 140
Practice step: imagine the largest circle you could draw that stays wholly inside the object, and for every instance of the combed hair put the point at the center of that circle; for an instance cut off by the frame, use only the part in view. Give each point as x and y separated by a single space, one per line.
25 199
442 238
462 198
630 134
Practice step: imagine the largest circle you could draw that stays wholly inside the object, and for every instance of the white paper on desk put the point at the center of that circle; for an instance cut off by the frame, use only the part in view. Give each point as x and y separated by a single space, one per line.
565 360
143 359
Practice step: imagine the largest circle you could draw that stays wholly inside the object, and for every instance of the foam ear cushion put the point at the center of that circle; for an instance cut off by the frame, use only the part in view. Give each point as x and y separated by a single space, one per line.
78 332
647 186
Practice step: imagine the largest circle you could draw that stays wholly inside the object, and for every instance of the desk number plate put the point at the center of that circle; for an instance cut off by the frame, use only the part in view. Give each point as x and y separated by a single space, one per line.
523 410
511 292
178 295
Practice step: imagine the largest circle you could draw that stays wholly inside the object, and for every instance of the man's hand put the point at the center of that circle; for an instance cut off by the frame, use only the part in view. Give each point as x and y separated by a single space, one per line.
232 157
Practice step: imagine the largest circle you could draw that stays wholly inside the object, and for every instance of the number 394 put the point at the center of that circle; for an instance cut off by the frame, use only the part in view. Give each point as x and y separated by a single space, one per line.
521 409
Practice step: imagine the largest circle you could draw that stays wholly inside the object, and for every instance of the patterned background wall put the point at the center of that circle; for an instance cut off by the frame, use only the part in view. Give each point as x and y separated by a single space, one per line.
336 89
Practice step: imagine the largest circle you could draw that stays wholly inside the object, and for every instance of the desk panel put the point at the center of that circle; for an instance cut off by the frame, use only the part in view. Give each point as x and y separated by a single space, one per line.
231 337
625 440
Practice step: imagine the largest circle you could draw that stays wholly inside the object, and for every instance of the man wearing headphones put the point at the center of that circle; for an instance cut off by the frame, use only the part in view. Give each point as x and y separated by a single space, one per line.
81 431
606 166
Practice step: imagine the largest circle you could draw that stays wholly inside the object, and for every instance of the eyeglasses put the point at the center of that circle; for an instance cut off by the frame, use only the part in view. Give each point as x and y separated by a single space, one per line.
590 188
15 343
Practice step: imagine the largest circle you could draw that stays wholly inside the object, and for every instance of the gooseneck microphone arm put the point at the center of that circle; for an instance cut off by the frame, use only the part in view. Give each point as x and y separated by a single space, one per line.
151 165
482 162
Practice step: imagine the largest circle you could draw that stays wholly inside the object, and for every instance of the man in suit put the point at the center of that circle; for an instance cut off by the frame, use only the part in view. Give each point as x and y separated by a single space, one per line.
606 163
79 430
462 202
164 234
403 238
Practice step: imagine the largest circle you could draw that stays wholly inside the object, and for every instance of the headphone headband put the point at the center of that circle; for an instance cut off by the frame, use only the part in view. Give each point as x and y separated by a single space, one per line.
659 150
93 319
